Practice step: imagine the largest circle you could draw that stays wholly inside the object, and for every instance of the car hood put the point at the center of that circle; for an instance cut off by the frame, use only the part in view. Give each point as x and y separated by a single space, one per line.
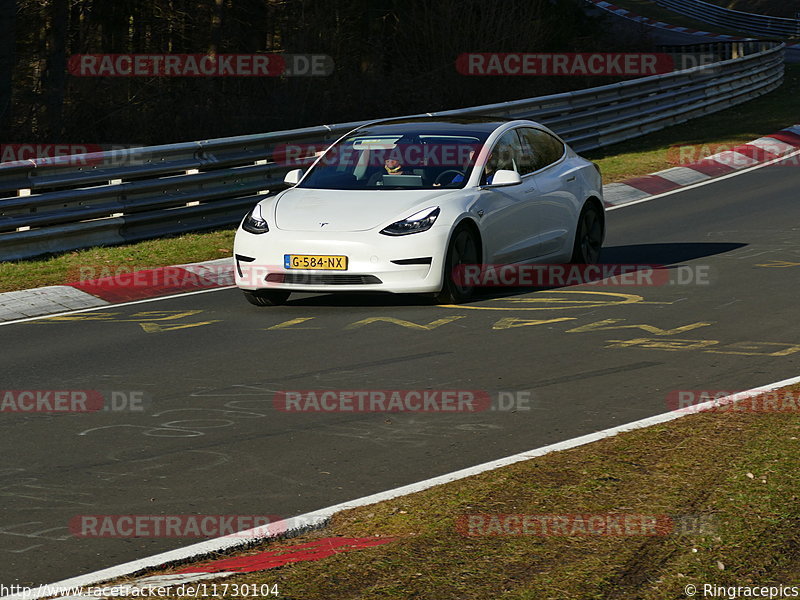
348 210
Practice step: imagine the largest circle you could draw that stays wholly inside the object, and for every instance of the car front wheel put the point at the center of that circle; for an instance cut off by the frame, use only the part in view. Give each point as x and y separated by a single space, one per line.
463 250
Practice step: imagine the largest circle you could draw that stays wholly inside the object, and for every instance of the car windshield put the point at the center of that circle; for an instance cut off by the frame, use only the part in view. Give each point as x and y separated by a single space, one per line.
390 160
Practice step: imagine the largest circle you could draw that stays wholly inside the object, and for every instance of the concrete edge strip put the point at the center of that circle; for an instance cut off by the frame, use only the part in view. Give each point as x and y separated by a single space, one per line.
21 304
319 518
166 281
105 305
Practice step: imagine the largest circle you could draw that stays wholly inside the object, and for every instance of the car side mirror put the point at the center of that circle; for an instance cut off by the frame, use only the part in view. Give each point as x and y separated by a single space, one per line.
293 177
505 177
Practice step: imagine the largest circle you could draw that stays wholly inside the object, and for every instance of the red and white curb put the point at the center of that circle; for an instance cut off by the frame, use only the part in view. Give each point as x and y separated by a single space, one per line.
278 556
762 150
215 274
628 14
316 520
147 283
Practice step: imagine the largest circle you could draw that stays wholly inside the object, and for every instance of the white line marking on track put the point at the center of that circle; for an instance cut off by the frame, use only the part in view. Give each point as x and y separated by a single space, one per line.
319 518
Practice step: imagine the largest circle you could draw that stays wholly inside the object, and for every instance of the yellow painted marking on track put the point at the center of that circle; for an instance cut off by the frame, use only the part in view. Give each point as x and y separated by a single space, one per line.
148 320
111 317
549 302
512 322
779 264
738 348
161 315
158 327
404 323
290 324
608 324
662 344
748 349
95 316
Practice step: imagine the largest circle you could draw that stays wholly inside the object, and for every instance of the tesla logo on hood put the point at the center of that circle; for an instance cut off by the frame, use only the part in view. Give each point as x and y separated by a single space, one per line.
323 224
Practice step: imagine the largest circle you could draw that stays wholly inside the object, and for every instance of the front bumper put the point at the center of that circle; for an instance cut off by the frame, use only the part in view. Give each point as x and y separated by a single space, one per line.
259 261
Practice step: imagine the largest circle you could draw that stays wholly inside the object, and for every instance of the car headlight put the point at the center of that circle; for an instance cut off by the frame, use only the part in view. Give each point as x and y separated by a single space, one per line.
255 222
416 223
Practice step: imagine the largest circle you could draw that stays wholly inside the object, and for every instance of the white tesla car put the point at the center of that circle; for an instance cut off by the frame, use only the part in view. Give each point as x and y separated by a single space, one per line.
400 205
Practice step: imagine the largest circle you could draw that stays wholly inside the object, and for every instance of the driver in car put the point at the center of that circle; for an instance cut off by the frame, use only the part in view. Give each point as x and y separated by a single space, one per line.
459 177
490 169
391 166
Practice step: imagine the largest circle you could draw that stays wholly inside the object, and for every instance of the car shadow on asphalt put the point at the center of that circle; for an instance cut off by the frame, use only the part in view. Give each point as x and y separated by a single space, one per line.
667 256
670 255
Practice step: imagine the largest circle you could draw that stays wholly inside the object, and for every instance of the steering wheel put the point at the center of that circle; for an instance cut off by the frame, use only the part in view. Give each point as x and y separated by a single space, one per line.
437 181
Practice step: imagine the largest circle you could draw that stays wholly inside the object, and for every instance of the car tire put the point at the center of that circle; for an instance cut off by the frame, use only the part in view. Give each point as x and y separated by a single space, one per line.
266 297
588 235
462 250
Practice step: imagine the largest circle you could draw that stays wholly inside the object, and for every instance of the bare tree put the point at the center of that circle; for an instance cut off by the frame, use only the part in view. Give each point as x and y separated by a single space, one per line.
8 15
55 74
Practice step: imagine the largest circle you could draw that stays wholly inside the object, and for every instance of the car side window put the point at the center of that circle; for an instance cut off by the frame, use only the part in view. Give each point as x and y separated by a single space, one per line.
544 148
527 157
506 154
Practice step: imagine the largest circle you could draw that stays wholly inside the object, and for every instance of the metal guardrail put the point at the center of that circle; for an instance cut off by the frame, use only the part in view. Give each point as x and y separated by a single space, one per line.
79 201
764 25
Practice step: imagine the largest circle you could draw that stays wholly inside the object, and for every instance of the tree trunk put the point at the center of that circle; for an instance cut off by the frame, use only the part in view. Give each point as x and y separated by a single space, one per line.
55 74
8 15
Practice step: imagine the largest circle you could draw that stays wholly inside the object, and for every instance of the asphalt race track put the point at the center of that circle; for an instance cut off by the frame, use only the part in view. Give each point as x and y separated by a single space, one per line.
210 441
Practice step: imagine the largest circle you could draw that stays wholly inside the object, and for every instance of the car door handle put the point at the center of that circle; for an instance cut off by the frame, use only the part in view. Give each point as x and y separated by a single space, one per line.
571 178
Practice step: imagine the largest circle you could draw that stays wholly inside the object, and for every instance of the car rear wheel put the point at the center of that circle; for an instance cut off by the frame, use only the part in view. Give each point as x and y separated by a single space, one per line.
266 297
463 250
589 235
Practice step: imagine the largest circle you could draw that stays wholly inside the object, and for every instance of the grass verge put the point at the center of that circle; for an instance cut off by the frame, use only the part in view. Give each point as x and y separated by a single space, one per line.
733 472
653 152
66 268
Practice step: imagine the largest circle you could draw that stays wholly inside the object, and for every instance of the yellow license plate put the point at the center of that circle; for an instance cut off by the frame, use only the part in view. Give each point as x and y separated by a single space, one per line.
315 261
